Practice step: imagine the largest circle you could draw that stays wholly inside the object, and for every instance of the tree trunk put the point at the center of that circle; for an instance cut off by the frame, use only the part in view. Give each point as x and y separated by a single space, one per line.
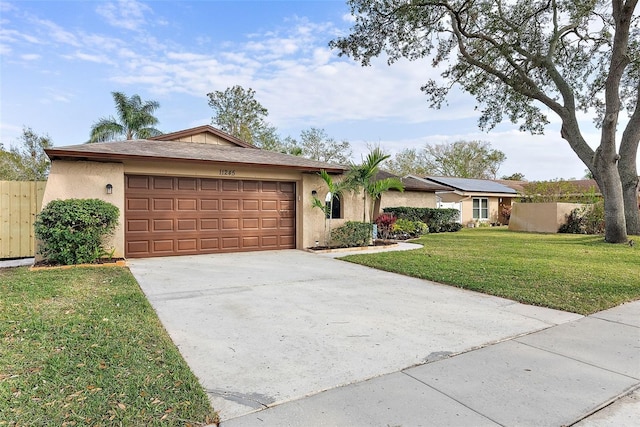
608 178
629 179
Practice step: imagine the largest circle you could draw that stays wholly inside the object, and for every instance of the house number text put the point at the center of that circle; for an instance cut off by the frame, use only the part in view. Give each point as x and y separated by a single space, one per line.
227 172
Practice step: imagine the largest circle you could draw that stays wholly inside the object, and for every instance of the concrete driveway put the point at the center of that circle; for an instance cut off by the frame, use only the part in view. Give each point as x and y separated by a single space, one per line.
259 329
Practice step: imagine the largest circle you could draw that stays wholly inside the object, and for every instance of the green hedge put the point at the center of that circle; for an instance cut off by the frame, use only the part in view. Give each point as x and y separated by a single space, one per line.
352 234
72 231
438 220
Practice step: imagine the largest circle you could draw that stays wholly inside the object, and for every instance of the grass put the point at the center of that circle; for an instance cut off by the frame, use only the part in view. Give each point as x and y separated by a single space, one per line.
576 273
84 347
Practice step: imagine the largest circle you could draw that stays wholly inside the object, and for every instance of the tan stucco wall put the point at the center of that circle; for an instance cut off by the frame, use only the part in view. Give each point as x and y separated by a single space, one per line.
313 221
414 199
88 180
540 217
206 138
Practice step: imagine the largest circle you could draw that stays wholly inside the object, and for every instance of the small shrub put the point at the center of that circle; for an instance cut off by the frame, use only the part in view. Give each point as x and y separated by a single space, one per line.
438 220
352 234
409 229
385 223
72 231
585 220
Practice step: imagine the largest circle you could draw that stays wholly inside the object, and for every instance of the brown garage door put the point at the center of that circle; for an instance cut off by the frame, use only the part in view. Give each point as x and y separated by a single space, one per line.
181 216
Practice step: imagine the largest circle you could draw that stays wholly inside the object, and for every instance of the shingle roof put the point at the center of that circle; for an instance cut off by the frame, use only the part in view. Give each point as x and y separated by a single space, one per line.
412 183
472 185
186 151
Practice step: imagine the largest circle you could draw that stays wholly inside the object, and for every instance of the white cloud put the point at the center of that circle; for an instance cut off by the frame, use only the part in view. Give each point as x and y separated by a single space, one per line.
30 57
83 56
57 33
127 14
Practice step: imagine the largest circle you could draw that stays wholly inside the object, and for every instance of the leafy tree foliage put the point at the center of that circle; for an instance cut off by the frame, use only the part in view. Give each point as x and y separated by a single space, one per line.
462 159
317 145
28 162
517 176
409 161
135 120
518 57
238 113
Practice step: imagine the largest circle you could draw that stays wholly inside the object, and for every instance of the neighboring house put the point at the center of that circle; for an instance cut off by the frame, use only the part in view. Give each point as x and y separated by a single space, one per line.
197 191
418 193
478 200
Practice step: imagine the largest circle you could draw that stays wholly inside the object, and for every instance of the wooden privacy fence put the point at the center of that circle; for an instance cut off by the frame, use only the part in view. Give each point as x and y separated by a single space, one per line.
20 202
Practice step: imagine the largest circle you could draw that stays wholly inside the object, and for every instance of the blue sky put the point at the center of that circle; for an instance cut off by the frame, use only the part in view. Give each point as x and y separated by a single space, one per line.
60 61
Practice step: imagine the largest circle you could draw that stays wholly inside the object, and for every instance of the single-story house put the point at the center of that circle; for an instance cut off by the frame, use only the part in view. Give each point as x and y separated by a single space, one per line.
418 193
202 190
478 200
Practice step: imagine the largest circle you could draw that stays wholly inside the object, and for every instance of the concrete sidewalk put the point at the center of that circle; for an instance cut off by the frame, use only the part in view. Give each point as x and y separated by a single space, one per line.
555 377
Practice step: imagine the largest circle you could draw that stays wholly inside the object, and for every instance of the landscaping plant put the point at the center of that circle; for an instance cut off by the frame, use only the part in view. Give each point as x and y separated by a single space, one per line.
352 234
73 231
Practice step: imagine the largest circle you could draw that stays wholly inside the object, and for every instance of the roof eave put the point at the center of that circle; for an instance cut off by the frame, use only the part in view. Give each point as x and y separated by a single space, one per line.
119 158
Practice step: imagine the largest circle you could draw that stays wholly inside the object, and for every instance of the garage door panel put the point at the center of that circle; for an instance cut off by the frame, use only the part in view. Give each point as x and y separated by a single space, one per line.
231 185
250 223
230 224
187 184
269 223
135 204
162 225
183 215
209 205
230 205
163 183
163 246
210 185
287 187
187 224
187 245
138 182
137 225
269 205
207 224
162 204
208 244
250 186
270 187
250 205
187 204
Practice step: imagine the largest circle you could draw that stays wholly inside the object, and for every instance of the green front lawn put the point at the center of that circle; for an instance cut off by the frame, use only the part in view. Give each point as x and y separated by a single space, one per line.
568 272
84 347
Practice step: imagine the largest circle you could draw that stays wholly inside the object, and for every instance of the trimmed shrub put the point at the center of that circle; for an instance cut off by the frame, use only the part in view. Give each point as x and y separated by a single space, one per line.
352 234
72 231
585 220
385 223
438 220
409 229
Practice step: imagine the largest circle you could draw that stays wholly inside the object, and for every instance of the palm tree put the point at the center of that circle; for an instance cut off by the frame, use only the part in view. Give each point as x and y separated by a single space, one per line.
364 176
135 120
335 189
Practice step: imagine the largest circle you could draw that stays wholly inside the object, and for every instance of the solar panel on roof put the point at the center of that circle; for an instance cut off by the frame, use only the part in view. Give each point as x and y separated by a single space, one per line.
473 185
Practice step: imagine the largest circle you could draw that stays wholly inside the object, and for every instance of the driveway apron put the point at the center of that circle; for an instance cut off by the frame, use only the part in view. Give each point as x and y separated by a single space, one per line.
263 328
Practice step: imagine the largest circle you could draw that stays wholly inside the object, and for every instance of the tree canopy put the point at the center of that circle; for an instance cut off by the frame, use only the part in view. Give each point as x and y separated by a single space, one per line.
135 120
317 145
521 59
237 112
28 161
462 159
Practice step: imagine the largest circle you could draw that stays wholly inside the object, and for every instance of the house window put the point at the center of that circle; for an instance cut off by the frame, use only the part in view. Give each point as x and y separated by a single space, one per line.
336 211
480 208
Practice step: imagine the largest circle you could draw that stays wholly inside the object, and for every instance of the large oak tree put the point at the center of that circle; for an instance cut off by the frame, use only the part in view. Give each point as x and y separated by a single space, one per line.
520 58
